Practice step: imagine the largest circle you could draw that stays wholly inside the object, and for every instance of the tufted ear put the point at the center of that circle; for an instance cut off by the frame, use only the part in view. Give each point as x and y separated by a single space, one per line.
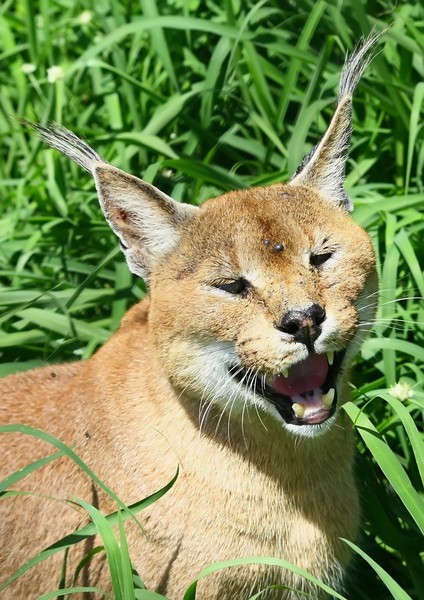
324 167
147 222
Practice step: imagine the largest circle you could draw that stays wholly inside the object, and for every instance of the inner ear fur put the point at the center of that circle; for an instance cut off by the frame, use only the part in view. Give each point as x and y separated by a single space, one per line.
147 221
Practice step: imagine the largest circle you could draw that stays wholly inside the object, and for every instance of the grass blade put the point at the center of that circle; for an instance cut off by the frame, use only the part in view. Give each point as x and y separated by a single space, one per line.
388 463
394 588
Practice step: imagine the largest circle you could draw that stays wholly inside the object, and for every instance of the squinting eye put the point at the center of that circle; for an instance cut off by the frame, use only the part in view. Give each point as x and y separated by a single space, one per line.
319 259
237 286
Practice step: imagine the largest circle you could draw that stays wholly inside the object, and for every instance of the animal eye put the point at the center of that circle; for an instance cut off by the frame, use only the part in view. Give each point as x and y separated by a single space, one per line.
319 259
237 286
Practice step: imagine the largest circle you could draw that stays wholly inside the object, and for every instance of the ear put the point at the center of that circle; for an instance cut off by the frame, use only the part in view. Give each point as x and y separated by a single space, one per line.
148 222
324 167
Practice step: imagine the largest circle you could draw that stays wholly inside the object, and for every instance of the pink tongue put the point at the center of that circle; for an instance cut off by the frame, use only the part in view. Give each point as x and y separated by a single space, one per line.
303 377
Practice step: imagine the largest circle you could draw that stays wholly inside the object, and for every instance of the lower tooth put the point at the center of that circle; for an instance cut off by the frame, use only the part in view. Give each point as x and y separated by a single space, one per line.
328 398
298 409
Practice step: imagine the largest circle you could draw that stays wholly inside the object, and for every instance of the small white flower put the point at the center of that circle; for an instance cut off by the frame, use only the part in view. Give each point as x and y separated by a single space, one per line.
28 68
85 17
54 73
401 391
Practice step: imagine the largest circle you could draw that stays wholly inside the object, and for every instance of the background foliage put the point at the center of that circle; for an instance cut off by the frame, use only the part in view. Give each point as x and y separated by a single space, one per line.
201 97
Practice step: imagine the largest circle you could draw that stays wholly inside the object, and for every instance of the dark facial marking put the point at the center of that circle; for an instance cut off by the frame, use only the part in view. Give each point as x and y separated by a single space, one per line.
122 214
278 247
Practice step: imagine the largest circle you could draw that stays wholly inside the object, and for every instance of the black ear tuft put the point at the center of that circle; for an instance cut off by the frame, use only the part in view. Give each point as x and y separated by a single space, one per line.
147 222
324 167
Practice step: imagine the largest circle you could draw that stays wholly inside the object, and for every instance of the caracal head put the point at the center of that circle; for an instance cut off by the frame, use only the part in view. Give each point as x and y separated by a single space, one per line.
260 305
260 297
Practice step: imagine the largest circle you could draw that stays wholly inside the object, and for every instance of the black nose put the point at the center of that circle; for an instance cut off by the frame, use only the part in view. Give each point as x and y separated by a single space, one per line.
303 325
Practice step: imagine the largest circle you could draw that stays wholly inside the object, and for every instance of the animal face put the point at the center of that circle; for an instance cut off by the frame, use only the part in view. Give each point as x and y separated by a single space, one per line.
258 298
258 310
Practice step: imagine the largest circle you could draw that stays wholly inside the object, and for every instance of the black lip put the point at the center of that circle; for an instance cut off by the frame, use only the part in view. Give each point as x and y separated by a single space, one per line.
284 403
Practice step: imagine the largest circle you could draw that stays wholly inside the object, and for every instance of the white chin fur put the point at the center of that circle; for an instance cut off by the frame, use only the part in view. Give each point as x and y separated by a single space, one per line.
310 431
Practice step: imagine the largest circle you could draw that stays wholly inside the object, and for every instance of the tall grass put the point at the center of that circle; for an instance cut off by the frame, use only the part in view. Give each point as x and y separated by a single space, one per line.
202 97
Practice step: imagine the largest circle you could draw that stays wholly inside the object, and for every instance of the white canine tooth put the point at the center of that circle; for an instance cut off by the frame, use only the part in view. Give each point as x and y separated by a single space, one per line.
268 379
328 398
285 372
330 357
298 409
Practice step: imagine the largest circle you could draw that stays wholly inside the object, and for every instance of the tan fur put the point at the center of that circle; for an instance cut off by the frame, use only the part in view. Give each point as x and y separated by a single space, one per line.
159 394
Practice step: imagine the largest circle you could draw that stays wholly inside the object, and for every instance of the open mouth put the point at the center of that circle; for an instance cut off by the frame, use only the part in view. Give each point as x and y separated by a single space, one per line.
304 394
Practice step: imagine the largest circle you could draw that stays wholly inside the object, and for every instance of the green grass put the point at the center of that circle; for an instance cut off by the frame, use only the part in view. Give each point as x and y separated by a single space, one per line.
201 97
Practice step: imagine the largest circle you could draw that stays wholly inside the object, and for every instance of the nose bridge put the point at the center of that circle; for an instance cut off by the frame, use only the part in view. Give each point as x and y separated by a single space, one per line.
300 289
299 298
292 296
295 294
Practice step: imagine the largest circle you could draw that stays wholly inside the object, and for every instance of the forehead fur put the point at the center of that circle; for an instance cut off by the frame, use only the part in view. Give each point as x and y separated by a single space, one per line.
241 227
280 213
